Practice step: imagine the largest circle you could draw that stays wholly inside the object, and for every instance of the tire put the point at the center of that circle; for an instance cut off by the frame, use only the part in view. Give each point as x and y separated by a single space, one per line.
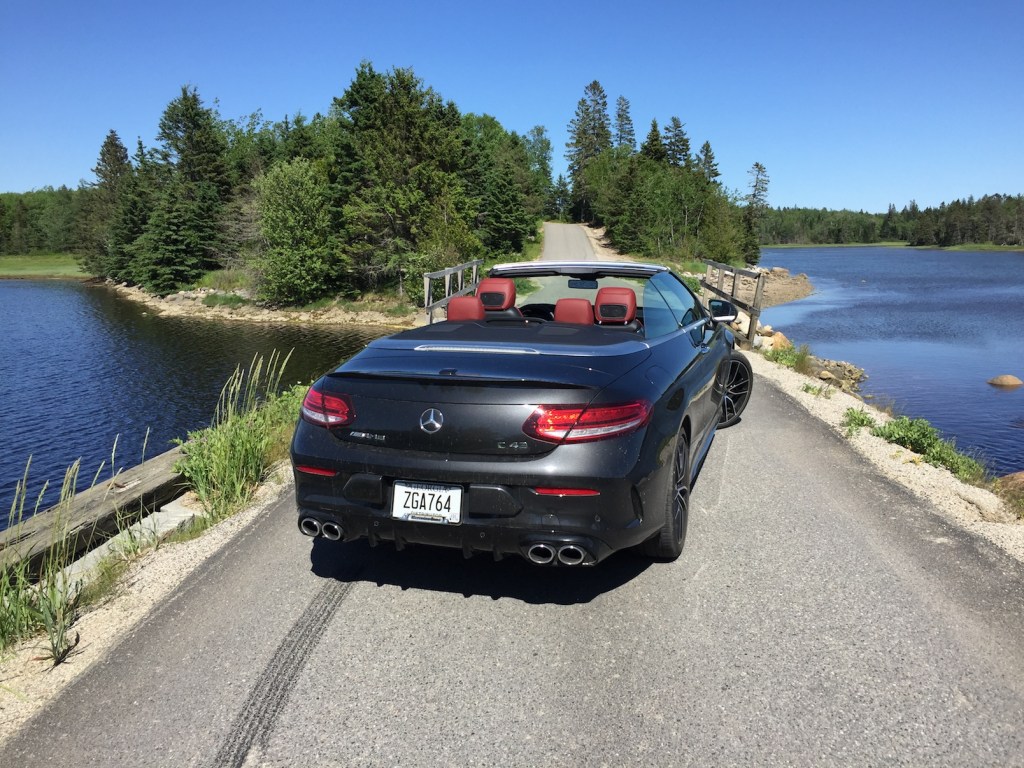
739 383
668 543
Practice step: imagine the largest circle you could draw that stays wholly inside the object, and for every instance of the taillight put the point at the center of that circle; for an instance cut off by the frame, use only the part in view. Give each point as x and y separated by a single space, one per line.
327 410
578 423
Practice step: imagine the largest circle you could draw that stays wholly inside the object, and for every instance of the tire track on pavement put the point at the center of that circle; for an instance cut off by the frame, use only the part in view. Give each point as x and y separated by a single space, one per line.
271 690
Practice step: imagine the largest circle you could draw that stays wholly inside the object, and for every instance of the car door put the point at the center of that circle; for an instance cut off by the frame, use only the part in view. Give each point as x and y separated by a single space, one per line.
671 309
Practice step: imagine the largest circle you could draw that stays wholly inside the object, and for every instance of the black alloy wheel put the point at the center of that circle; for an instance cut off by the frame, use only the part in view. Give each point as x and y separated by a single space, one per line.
739 383
668 543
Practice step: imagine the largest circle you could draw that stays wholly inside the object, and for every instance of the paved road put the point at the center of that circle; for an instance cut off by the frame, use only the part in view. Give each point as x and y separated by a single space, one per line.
566 242
819 615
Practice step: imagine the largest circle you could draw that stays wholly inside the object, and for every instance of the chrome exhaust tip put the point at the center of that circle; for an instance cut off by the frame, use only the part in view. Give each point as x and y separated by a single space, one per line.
570 554
331 531
310 526
541 554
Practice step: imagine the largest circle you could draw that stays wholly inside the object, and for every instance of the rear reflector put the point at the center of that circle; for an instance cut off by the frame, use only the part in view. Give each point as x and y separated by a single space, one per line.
318 471
566 492
327 410
579 423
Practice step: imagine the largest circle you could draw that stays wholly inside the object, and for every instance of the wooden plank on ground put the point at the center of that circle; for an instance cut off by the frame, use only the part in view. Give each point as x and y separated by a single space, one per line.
94 515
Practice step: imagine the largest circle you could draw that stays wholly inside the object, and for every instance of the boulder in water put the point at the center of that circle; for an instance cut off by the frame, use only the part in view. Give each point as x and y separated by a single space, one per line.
1006 380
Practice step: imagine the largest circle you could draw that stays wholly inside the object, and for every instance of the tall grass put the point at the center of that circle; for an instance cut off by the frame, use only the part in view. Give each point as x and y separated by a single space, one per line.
46 599
797 358
225 462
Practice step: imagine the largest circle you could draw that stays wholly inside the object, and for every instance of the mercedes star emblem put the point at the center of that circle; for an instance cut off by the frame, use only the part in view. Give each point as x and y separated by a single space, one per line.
431 421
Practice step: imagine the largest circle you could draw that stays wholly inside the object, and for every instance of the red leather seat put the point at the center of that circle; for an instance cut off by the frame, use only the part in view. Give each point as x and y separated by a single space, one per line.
498 295
465 308
616 306
578 311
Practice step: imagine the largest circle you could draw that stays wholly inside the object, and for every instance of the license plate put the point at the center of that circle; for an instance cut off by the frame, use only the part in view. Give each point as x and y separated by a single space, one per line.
427 503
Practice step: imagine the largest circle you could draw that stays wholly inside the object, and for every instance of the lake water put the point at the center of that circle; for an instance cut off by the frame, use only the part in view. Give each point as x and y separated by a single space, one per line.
929 327
80 366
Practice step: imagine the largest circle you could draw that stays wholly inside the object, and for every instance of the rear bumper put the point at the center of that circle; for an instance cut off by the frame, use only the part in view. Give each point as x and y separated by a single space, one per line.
502 513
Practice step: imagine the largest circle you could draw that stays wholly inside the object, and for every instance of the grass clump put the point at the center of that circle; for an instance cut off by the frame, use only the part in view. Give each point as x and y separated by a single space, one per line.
226 280
854 419
1012 493
797 358
818 390
251 427
44 600
230 300
922 438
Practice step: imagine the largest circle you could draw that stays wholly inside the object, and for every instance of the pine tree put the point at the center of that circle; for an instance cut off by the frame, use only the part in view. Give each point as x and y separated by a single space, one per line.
538 152
757 202
653 148
100 204
561 199
706 163
194 144
625 135
590 134
183 236
677 144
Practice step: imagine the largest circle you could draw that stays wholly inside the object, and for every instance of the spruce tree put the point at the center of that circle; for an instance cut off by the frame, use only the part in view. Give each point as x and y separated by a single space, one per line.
100 203
706 163
625 135
677 144
653 148
183 235
757 202
590 134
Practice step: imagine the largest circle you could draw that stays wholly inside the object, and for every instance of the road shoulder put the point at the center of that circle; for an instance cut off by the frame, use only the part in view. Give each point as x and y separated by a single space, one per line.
973 509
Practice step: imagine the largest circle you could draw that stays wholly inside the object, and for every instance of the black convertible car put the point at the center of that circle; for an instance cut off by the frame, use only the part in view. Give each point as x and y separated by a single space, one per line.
561 413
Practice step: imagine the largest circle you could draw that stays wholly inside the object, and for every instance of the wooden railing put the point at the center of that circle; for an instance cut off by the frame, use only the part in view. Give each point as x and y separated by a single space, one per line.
454 282
726 273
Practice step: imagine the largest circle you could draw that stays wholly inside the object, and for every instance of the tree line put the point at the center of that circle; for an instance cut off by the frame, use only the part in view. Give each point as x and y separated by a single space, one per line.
995 219
394 181
391 182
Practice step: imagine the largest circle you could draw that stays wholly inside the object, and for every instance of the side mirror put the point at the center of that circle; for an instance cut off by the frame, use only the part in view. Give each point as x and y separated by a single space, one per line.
722 311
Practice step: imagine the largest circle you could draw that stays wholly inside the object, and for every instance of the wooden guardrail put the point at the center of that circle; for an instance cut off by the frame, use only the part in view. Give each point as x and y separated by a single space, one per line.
93 516
454 282
714 281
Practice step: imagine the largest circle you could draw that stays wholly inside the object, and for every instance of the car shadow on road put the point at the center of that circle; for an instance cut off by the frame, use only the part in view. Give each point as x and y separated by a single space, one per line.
446 570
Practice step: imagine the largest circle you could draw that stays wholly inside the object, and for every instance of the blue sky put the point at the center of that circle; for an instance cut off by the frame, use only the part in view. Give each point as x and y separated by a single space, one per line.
848 105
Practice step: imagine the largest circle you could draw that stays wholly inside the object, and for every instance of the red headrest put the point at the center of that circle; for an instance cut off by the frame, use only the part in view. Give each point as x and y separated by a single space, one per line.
465 308
615 305
496 292
576 311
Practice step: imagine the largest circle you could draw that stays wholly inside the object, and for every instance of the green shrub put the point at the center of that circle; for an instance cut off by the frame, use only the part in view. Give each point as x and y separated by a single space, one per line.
693 283
797 358
223 300
854 419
